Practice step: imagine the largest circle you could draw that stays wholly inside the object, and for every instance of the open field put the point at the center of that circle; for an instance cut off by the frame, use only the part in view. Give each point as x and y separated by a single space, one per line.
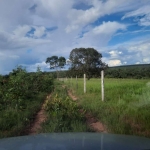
126 109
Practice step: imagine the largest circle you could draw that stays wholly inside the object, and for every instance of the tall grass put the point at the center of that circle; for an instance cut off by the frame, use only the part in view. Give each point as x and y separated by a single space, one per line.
126 109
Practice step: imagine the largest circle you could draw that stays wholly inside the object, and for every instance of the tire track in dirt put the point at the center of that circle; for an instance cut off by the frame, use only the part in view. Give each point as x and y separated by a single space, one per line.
91 121
39 119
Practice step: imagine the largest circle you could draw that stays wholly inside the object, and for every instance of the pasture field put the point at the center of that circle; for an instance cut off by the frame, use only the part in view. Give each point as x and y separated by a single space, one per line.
126 108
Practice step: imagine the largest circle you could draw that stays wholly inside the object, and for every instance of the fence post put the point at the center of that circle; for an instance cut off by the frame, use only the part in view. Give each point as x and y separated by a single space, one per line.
71 81
68 79
84 83
76 82
102 84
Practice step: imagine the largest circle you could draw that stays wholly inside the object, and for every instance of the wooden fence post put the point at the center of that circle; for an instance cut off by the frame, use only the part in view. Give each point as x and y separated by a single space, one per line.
84 83
102 84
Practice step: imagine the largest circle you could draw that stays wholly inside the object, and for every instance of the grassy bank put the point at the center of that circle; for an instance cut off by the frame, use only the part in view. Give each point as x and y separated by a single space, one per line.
126 109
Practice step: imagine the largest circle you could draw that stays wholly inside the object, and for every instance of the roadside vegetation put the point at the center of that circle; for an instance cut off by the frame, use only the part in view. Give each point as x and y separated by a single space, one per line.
126 107
21 97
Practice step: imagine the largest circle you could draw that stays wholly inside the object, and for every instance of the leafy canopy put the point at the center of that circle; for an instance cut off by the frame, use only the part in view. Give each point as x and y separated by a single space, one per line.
87 60
55 62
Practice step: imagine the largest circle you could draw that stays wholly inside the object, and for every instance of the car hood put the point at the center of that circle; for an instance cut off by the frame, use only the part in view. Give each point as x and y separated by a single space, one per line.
75 141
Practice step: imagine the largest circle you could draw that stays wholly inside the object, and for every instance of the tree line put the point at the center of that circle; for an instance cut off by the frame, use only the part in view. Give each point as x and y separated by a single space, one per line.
134 72
131 71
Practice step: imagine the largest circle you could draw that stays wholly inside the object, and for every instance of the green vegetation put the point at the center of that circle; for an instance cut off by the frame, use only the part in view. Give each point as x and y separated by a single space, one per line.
126 109
63 115
141 71
21 96
86 60
56 62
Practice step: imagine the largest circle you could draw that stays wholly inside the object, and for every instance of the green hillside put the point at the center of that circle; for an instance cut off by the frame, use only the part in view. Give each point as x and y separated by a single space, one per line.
139 71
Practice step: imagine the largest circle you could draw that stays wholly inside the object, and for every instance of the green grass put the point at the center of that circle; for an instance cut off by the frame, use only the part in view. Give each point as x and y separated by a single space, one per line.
126 109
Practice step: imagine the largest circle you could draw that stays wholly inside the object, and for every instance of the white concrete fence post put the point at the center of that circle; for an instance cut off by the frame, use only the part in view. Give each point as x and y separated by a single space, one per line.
84 83
76 82
102 84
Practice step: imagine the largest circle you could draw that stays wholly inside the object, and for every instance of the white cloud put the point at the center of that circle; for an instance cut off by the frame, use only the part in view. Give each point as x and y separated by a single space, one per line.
39 31
32 68
115 53
53 12
115 62
138 63
145 21
100 35
80 18
143 12
108 28
142 47
132 52
22 30
10 41
139 12
146 60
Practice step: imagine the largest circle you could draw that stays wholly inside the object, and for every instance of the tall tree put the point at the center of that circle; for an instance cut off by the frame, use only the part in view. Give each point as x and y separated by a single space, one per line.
56 62
61 62
87 60
53 61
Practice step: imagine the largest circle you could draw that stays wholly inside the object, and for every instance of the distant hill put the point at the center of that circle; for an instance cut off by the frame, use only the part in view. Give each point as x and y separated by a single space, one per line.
138 71
132 66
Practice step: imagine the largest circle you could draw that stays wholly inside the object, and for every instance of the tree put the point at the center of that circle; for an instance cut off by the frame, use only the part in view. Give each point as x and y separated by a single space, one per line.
87 60
56 63
18 70
61 62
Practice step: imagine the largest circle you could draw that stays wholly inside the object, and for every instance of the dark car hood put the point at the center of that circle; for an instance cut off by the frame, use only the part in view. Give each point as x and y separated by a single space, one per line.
75 141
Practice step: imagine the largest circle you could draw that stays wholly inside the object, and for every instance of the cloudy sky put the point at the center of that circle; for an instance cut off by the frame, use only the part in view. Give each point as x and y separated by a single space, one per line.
32 30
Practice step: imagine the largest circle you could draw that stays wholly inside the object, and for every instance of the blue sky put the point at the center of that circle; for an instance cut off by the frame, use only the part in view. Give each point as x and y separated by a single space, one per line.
32 30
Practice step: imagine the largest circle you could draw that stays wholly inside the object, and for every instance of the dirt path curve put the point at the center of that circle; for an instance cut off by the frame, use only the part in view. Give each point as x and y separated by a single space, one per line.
39 119
92 122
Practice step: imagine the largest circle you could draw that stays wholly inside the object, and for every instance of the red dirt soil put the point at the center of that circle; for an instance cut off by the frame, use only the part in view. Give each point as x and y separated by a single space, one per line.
39 119
92 122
